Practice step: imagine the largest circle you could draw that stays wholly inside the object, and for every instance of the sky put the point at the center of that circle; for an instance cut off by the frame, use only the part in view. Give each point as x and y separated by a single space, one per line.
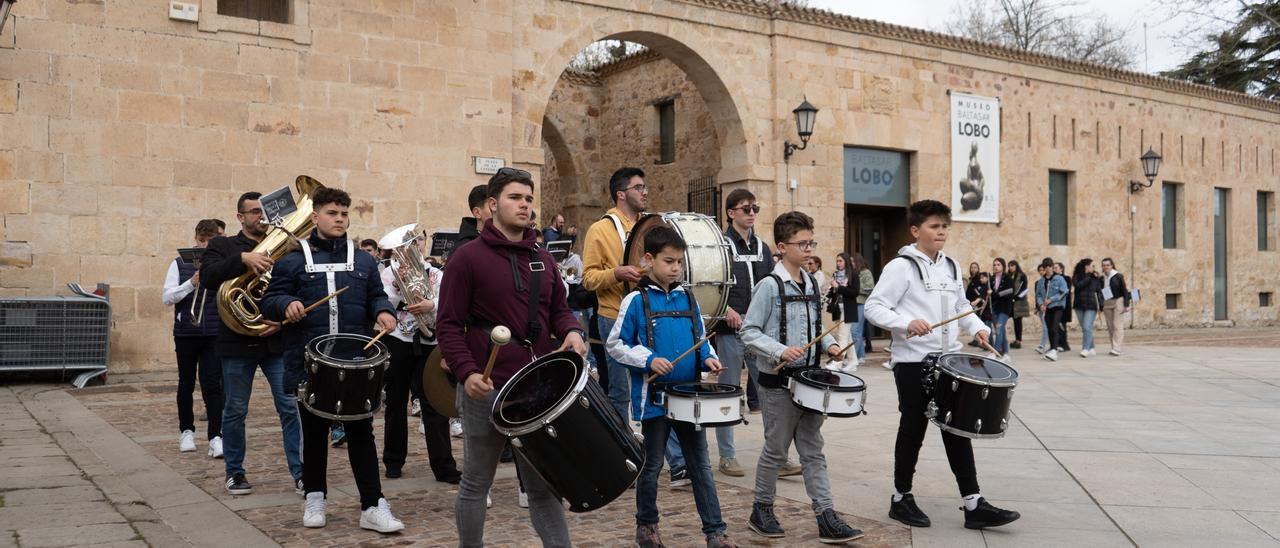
1162 52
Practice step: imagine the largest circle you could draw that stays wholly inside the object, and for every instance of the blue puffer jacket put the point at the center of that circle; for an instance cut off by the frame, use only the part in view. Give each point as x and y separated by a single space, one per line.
358 306
629 342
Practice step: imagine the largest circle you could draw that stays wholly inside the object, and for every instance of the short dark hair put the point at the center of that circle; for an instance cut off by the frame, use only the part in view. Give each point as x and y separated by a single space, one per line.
1046 263
618 181
1108 260
920 211
661 238
369 242
477 196
737 196
330 195
501 180
222 225
788 224
244 198
207 228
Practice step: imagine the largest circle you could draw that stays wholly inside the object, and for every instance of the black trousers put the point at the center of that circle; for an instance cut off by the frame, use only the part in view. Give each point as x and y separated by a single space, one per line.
911 429
196 358
1057 330
404 377
1017 329
360 449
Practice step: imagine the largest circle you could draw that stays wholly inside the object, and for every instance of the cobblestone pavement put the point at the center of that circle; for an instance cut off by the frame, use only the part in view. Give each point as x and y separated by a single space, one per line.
144 412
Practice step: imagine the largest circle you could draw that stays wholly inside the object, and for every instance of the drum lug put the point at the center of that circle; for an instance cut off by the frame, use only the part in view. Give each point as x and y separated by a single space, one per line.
947 419
338 408
955 386
1004 424
371 371
697 428
697 409
631 466
515 442
368 405
582 400
342 375
826 401
314 368
551 430
311 398
985 391
978 427
930 410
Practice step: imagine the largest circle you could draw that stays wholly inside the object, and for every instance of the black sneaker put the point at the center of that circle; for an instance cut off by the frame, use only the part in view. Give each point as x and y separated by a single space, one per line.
907 512
833 530
507 455
393 472
237 485
1015 344
680 478
454 477
764 523
986 515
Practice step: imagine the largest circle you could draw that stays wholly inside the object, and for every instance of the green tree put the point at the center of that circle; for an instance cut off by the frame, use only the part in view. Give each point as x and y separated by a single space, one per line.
1244 56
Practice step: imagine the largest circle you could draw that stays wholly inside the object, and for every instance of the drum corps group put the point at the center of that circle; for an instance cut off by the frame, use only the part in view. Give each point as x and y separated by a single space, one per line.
683 308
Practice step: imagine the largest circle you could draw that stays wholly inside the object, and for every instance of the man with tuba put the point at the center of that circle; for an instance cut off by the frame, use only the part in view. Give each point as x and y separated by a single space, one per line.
195 327
228 258
413 287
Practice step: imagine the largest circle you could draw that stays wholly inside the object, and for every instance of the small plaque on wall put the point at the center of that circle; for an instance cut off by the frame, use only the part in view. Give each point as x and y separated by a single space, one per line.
489 166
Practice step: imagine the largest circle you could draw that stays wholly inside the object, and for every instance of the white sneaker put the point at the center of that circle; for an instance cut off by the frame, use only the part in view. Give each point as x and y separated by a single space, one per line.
187 442
215 447
524 499
297 488
313 510
455 428
422 429
488 499
378 518
1051 355
862 361
1039 350
1084 353
416 408
1093 352
1115 352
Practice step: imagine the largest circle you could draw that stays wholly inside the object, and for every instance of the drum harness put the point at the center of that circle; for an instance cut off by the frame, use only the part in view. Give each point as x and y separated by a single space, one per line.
942 288
692 314
329 269
815 326
749 259
532 327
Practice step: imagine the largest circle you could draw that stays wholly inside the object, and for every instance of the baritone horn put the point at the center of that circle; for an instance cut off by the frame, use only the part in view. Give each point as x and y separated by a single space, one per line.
238 298
412 277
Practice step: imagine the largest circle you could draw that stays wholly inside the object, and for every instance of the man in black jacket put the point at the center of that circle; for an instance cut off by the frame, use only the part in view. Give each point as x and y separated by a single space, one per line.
227 258
469 228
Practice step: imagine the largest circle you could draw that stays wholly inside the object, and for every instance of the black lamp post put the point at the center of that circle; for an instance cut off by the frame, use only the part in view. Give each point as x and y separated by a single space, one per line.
806 114
5 6
1150 168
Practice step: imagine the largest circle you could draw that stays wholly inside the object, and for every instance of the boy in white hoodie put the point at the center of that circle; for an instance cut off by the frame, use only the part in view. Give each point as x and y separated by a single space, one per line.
918 289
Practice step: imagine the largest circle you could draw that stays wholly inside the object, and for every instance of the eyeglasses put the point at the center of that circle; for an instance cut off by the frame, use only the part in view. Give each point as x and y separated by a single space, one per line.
806 245
747 209
255 211
639 188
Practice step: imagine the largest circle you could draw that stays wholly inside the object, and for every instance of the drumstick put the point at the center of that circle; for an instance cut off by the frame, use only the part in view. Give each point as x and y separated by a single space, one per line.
375 339
815 340
313 306
845 349
682 355
947 321
499 336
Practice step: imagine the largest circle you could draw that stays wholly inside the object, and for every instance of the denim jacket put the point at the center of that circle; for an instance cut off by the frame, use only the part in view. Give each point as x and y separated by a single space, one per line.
761 327
1054 292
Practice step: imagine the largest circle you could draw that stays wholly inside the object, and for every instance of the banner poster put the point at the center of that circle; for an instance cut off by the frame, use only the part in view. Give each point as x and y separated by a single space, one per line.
975 158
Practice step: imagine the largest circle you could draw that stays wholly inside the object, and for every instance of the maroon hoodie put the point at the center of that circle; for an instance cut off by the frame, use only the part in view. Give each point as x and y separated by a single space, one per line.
478 283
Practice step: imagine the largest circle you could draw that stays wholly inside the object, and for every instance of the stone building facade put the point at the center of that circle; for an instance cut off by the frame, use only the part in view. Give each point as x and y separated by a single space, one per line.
119 127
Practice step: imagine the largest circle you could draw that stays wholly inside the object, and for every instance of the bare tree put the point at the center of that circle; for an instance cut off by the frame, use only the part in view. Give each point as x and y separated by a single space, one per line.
1055 27
601 53
1239 49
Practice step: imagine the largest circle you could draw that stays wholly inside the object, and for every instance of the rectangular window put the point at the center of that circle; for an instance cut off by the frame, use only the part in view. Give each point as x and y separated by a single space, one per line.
1173 301
1266 220
1058 207
667 132
1264 299
276 11
1171 214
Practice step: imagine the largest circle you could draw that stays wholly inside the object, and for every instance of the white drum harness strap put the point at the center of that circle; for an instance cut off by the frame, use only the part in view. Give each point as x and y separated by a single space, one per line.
329 269
946 290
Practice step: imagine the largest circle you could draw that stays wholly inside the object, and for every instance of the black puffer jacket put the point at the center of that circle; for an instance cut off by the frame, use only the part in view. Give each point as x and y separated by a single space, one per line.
1088 292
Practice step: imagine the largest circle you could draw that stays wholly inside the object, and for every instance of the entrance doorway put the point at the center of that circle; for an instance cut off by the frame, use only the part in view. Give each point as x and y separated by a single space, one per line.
876 233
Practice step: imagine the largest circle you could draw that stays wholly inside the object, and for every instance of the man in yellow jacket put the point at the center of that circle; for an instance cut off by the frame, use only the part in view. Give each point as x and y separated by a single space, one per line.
604 269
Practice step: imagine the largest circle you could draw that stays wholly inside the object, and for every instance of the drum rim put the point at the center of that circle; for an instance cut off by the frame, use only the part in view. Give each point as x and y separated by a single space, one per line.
799 377
379 358
837 415
735 393
966 433
937 364
302 400
551 414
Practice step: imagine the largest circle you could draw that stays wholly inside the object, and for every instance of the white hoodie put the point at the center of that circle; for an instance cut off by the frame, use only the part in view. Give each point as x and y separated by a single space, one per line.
900 297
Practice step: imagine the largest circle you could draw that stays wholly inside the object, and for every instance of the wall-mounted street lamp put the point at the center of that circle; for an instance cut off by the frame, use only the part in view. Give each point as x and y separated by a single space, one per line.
5 6
806 114
1150 168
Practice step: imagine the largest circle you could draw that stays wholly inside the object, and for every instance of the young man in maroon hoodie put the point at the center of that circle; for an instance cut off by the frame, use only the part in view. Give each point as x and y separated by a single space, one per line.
488 283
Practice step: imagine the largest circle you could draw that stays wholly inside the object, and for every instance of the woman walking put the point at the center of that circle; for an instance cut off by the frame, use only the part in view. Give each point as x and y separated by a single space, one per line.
866 281
1115 304
844 288
1001 292
1021 309
1088 301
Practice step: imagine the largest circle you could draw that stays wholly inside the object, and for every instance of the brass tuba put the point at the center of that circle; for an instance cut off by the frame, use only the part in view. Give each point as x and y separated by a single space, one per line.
412 278
238 298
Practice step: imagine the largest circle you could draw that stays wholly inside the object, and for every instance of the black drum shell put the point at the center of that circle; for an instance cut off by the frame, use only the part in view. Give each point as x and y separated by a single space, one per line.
354 385
592 458
958 403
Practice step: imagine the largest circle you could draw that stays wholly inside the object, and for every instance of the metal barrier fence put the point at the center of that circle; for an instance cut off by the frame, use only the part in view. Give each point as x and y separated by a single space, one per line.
704 197
55 334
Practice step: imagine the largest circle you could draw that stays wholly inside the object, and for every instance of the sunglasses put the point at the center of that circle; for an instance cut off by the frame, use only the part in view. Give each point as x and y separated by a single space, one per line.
511 172
747 209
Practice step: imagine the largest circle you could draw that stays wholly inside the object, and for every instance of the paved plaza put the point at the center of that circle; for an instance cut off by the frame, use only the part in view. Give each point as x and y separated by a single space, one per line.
1176 443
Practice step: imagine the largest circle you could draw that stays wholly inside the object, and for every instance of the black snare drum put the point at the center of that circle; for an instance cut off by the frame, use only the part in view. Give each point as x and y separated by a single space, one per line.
344 381
969 395
561 422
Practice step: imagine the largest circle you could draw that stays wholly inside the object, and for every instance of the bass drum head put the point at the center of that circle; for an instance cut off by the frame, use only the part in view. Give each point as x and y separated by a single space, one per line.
346 350
706 260
705 389
535 392
981 369
837 381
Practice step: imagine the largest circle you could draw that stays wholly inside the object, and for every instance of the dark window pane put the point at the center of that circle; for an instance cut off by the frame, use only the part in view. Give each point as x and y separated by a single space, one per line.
263 10
1057 208
1169 209
667 132
1265 204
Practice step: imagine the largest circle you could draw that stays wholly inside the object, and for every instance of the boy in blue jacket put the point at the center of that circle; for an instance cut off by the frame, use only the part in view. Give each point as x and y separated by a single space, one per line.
658 321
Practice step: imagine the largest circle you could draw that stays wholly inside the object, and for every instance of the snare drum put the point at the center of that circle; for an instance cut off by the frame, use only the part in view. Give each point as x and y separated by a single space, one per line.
561 423
706 404
828 393
969 395
344 381
706 274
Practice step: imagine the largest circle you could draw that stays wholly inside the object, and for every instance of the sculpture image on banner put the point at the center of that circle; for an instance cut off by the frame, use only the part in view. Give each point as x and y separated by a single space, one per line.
975 158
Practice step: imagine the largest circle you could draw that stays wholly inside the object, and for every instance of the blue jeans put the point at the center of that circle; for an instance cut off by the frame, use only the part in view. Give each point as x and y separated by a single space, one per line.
1001 341
694 443
859 328
619 375
237 384
1044 331
1087 318
729 347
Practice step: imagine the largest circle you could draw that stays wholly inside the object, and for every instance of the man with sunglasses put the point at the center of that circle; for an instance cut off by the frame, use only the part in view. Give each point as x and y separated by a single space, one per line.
227 258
